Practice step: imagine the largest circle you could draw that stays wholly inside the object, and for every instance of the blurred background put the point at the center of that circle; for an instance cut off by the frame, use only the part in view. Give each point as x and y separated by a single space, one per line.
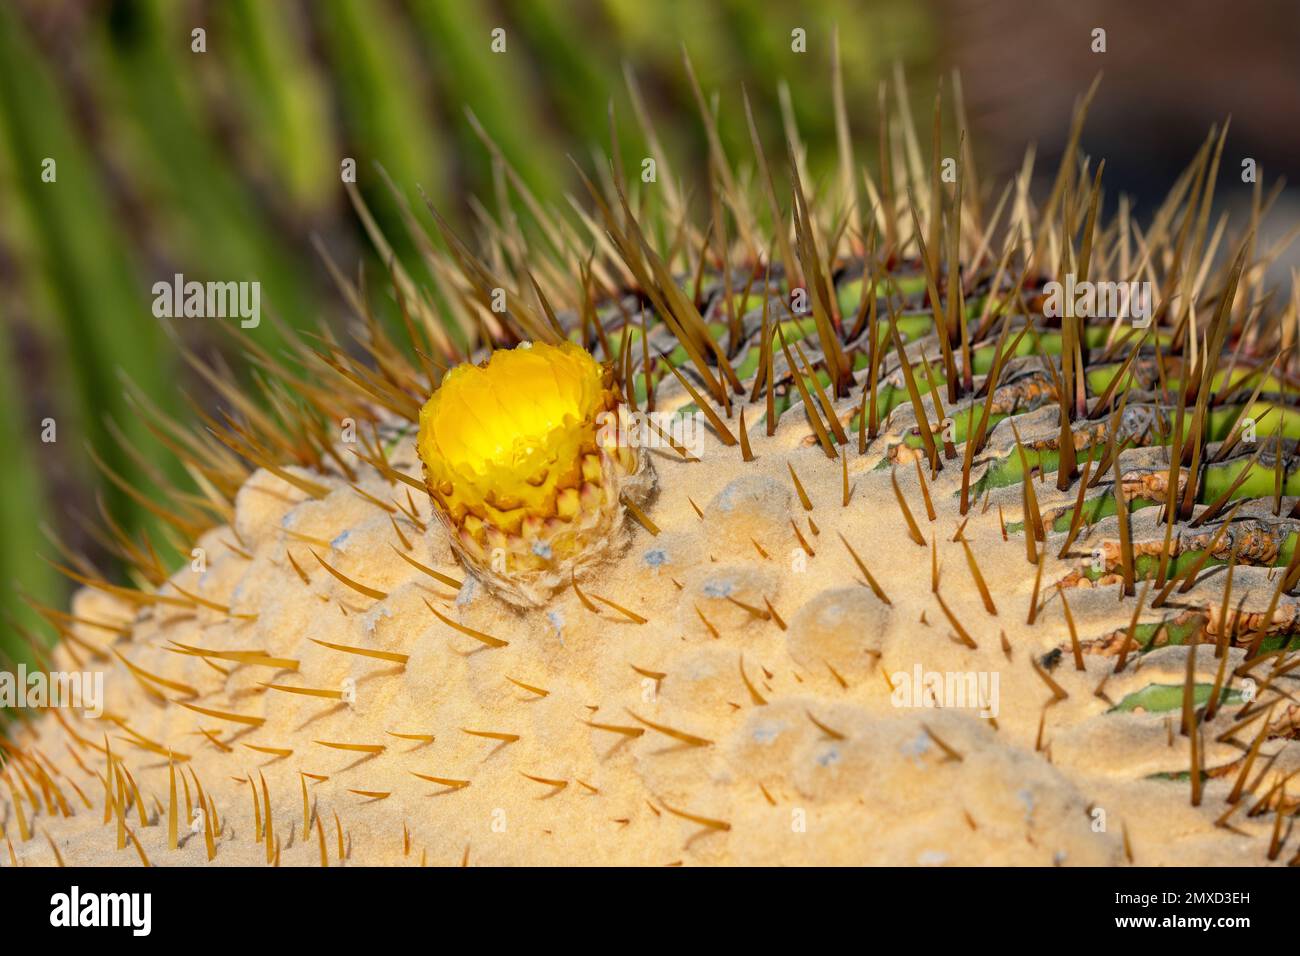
222 165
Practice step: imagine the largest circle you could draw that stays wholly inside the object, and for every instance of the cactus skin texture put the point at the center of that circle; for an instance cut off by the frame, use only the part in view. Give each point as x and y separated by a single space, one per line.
905 481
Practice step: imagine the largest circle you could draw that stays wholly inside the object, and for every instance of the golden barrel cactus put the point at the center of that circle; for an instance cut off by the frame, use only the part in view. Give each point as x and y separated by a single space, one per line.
918 540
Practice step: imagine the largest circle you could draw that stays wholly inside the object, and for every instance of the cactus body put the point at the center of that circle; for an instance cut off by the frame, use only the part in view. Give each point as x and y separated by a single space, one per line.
941 577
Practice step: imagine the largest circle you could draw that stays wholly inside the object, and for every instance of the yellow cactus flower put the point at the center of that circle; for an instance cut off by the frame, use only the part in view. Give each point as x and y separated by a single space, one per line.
521 457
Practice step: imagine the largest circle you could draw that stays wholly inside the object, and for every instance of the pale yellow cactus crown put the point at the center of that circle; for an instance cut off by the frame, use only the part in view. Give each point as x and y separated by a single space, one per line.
944 577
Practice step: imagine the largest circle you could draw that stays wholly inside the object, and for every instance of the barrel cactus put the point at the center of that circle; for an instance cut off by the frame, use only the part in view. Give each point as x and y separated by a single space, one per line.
912 521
